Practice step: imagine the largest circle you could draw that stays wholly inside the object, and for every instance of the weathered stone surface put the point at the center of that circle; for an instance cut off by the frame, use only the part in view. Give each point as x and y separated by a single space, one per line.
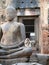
42 58
45 45
23 3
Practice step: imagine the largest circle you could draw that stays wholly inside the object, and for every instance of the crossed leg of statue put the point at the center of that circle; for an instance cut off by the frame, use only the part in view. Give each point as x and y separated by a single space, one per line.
23 52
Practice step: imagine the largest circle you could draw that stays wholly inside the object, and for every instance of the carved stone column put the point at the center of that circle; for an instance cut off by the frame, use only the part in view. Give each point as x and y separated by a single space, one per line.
43 27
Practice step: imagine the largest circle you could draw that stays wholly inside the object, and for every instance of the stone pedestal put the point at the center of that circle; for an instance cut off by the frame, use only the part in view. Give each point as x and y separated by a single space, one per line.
43 58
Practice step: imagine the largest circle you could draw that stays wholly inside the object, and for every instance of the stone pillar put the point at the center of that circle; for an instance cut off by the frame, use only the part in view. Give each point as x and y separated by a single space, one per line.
43 27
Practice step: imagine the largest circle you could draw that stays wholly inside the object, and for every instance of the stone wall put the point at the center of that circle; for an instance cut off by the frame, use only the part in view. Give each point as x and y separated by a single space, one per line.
43 27
2 11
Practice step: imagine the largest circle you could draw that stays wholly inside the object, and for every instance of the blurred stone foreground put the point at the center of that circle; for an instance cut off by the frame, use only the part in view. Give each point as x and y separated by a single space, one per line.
26 64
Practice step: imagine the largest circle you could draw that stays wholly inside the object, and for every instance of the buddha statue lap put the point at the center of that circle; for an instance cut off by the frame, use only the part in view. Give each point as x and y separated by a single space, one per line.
12 41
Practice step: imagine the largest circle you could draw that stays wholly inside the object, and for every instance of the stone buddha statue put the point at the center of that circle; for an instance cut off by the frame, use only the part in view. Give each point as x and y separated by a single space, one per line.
12 41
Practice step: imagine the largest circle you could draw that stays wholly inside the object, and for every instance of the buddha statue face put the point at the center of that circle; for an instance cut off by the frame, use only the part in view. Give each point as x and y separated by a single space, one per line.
10 13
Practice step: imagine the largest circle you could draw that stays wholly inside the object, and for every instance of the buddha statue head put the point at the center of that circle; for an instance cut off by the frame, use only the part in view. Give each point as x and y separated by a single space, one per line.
10 13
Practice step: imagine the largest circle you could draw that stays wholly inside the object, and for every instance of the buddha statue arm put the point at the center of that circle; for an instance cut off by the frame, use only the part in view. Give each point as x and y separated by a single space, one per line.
22 29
